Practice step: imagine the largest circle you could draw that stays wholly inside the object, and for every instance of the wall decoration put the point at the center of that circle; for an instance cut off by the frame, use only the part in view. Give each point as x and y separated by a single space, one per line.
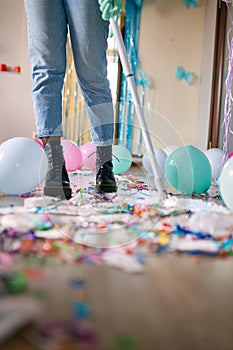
182 74
131 39
188 3
74 117
6 68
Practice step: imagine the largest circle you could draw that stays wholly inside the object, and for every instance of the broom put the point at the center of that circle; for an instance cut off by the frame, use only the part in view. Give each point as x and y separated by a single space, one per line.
158 180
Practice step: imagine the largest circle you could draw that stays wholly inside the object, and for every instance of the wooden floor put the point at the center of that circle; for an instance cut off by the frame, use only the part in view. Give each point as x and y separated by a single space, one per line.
175 304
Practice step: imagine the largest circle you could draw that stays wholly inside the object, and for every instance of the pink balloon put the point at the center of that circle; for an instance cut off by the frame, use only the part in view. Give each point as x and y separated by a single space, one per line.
72 155
39 142
89 156
230 155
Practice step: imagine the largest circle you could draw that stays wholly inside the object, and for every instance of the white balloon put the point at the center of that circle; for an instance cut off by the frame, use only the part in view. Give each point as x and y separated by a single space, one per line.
23 165
226 183
169 149
160 156
215 156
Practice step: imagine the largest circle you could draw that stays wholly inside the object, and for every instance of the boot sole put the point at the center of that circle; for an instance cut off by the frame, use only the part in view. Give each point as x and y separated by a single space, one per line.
55 191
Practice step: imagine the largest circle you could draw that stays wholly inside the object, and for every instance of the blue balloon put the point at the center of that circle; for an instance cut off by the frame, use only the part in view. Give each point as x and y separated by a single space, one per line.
121 159
188 170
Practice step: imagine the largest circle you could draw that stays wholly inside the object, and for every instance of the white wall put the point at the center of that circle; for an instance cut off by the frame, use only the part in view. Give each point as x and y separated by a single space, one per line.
16 107
172 36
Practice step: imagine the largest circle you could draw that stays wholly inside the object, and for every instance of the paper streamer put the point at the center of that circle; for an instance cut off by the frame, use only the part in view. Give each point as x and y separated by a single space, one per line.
228 101
131 39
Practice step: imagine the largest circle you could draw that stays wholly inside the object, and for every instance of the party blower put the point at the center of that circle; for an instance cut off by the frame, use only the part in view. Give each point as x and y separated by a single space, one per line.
160 184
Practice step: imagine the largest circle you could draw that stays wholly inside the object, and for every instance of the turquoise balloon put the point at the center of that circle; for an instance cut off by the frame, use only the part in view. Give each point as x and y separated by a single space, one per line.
121 159
188 170
226 183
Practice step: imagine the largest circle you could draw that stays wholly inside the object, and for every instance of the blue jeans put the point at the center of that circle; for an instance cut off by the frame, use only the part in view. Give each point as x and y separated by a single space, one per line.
48 21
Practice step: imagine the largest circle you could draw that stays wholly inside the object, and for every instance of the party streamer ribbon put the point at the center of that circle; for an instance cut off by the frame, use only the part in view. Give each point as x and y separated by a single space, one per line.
187 3
182 74
131 40
228 104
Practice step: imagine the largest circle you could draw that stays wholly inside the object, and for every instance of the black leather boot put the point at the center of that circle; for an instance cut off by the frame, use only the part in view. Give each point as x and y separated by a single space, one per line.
105 180
57 181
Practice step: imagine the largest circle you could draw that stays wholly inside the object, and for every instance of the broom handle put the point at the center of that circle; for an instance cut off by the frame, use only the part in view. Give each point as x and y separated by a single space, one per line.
160 184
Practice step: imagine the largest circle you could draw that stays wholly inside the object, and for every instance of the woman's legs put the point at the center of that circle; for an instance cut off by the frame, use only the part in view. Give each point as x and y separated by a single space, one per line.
47 33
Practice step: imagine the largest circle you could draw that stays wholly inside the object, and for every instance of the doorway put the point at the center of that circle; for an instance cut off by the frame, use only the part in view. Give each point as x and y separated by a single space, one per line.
224 34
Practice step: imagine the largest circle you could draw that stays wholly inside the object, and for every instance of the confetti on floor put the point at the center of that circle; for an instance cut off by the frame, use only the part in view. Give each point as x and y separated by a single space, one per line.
121 222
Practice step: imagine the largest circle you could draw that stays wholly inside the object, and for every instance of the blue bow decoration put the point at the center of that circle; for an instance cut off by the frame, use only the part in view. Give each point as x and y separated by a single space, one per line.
181 74
144 80
187 3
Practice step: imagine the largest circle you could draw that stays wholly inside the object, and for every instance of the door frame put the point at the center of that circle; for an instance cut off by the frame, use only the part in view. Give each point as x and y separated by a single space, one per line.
209 83
219 54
